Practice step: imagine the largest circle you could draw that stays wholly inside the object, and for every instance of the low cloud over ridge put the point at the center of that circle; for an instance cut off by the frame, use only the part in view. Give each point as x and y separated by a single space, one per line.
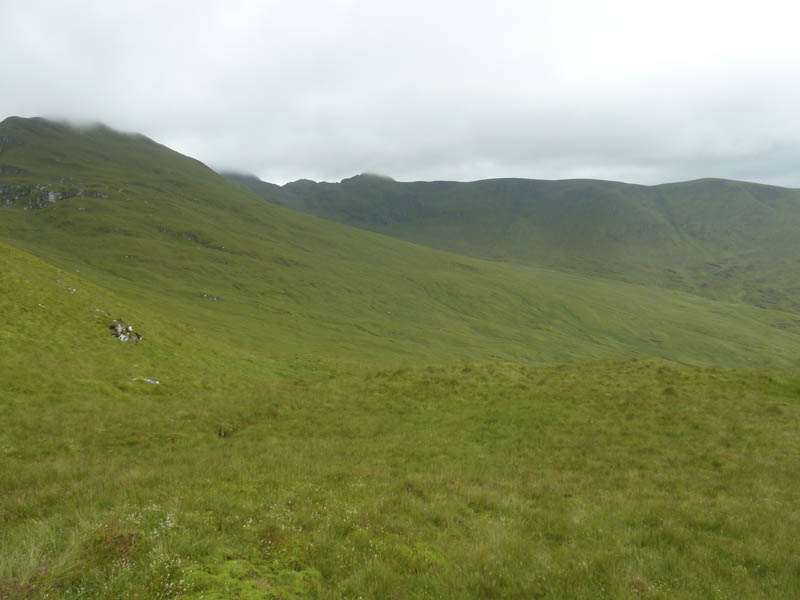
454 90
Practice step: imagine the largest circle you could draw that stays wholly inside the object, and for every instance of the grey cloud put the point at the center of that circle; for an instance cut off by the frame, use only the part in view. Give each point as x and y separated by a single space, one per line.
420 90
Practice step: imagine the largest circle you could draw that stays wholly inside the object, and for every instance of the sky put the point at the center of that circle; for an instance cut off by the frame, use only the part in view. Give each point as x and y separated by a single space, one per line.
636 91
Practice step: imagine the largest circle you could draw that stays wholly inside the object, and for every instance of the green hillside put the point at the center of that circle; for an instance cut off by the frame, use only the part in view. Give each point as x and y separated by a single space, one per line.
317 411
233 478
720 239
164 230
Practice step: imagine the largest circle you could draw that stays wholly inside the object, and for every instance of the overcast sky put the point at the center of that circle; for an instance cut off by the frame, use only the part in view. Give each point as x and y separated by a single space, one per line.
636 91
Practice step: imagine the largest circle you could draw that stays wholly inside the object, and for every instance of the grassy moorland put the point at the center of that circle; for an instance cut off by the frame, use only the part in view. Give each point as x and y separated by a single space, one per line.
494 480
720 239
303 442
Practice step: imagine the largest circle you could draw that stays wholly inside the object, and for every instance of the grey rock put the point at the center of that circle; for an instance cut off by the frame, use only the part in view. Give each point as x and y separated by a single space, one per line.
124 332
33 197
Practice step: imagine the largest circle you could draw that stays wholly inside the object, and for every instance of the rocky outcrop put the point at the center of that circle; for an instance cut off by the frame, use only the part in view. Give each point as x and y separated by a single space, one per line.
34 197
124 332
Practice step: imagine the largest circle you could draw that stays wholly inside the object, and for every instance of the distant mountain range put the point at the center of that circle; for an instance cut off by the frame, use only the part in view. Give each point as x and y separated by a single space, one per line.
721 239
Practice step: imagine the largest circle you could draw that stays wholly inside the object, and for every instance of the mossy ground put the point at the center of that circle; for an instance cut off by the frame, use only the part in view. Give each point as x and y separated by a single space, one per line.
613 479
240 477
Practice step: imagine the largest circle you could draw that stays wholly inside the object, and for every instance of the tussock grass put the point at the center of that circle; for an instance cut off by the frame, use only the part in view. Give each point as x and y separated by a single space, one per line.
612 479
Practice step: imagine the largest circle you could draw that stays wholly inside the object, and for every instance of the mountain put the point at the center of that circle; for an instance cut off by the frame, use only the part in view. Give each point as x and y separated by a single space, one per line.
720 239
163 229
206 395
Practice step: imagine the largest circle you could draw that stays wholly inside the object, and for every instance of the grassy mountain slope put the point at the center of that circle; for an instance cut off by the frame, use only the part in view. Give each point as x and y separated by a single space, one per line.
164 230
721 239
478 480
302 442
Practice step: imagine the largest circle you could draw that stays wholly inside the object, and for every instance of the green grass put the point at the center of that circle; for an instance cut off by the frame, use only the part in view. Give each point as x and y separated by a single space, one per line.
171 233
720 239
305 443
498 480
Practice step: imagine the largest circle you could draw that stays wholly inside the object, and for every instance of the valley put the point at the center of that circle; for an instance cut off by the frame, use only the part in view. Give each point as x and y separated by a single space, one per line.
501 389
